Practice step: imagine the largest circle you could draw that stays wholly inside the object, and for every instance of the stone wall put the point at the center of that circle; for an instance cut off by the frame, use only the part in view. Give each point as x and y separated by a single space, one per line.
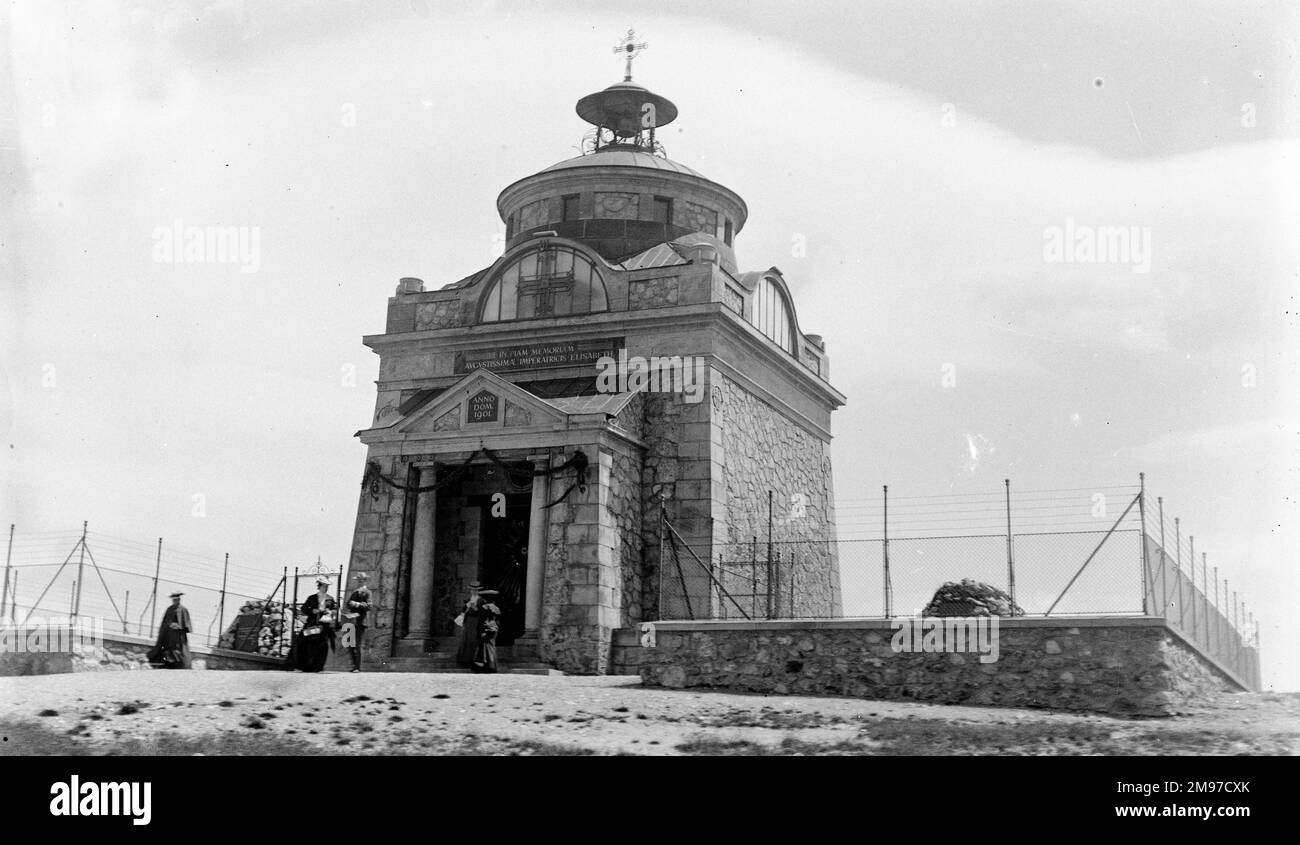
764 450
627 654
1134 666
660 292
377 548
124 653
625 510
582 601
662 434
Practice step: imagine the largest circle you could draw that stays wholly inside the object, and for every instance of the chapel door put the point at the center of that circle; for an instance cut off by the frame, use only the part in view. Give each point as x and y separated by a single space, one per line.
505 561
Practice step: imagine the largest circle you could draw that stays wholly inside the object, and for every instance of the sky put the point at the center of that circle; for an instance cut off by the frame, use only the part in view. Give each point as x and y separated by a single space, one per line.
906 165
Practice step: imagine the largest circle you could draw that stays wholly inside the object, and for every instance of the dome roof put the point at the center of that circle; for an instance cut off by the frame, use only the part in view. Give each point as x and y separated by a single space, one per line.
623 157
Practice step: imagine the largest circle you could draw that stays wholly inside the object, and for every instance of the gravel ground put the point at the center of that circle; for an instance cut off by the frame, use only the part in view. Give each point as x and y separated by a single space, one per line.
393 713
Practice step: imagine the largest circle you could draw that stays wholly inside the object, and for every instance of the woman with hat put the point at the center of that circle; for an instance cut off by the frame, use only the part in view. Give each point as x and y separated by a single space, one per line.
468 622
485 655
317 637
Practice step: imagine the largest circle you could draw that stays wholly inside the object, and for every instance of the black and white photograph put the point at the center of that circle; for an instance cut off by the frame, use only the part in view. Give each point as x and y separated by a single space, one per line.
564 378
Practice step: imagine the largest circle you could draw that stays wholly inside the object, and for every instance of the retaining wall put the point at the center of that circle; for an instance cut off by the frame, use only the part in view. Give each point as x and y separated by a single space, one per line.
1131 666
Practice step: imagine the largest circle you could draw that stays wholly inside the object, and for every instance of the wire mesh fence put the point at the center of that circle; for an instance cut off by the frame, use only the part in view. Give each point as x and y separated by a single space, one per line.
1203 609
872 578
1075 552
127 583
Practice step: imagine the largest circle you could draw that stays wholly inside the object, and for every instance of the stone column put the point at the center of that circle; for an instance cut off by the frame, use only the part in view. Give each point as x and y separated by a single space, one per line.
536 551
422 546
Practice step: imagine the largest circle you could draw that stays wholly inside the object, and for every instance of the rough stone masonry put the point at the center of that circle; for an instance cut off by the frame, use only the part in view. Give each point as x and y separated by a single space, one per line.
1136 667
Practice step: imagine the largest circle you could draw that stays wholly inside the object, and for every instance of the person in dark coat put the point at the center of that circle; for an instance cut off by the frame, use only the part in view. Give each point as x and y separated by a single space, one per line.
317 637
469 627
358 606
485 655
172 649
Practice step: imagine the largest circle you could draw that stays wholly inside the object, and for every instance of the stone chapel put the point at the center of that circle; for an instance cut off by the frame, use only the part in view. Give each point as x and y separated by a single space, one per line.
543 424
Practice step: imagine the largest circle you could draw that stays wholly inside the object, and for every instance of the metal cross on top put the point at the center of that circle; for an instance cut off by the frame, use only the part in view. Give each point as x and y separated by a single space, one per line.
630 48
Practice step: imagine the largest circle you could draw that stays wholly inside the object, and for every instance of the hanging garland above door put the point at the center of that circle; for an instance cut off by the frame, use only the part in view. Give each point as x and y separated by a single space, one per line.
519 469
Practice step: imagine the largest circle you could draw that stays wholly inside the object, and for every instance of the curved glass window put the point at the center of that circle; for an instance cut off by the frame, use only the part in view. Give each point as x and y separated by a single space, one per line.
772 314
550 281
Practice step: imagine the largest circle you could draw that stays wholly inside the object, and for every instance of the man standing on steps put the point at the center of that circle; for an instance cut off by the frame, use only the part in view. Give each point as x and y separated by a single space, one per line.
357 607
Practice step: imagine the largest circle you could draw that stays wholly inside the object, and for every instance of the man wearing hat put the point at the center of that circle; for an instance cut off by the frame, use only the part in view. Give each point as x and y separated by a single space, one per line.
173 647
358 607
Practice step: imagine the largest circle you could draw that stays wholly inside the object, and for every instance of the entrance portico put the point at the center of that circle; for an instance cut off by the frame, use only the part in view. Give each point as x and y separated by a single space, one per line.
511 490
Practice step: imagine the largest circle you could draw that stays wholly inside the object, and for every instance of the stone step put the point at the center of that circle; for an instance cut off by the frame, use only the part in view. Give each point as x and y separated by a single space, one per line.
461 670
503 653
430 664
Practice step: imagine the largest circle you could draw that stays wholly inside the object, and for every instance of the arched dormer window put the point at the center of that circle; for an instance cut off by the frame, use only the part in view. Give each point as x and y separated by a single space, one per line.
550 281
772 314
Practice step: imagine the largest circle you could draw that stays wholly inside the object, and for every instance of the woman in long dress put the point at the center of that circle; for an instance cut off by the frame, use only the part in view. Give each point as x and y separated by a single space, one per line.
469 627
485 656
317 638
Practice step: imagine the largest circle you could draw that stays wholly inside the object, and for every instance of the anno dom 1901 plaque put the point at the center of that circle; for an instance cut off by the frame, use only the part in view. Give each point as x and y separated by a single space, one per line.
538 356
483 407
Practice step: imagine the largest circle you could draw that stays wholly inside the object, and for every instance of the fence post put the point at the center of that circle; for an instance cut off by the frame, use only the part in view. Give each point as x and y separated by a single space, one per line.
1178 562
1142 519
4 596
722 613
888 586
1256 662
126 612
1011 566
81 565
1227 620
753 575
286 619
1164 578
1191 542
72 608
772 600
793 572
1205 596
1236 634
221 606
13 599
153 600
1214 648
1243 636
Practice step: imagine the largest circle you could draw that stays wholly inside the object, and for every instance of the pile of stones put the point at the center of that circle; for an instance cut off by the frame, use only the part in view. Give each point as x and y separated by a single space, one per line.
263 628
969 597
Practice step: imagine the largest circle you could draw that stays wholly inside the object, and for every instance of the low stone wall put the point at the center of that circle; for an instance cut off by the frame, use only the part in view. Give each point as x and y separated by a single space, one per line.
626 652
122 652
1136 666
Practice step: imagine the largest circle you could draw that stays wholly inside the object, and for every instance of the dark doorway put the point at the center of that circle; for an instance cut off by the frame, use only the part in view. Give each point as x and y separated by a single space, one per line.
505 559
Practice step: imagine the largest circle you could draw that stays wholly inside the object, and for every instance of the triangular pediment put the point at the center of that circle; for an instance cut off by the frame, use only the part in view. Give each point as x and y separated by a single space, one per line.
482 401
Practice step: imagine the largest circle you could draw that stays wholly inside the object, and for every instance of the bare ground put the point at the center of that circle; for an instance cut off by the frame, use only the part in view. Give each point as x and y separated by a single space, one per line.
213 712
